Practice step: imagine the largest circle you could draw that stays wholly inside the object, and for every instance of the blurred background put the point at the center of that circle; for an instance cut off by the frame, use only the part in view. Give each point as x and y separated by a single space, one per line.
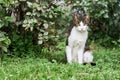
29 27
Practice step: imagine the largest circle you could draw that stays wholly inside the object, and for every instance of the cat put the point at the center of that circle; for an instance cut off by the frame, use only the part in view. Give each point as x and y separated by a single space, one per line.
77 37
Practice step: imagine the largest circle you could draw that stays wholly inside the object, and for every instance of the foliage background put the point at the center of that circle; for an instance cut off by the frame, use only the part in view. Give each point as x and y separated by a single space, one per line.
28 26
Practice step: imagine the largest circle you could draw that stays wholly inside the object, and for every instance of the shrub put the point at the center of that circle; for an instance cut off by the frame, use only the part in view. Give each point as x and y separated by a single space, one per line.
4 21
34 23
27 23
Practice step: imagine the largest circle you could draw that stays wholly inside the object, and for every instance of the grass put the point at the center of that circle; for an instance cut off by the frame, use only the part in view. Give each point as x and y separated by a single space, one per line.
107 68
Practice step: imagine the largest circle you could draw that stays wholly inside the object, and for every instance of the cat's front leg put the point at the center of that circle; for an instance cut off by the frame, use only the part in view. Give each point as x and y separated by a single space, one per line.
80 55
69 54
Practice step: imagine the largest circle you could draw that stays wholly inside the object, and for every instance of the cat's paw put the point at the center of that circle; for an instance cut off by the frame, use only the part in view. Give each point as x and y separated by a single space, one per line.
92 63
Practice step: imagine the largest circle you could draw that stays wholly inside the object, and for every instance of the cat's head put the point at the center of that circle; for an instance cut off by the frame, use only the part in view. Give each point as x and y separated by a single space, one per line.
81 20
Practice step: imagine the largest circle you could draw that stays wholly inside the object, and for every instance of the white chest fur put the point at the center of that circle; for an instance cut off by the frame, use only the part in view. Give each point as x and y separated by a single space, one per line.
76 44
77 38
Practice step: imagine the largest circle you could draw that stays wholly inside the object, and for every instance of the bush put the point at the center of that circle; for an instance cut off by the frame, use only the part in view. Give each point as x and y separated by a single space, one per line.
34 23
4 21
26 23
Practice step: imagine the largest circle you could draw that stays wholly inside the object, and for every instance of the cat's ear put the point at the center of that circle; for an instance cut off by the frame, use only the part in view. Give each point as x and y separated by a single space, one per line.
76 19
87 19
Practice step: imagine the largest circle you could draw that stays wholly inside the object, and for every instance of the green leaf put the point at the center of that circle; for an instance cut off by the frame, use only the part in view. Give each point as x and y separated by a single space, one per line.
22 0
45 33
106 16
7 41
9 19
31 28
40 42
2 39
50 16
28 13
45 25
1 24
4 48
29 4
1 1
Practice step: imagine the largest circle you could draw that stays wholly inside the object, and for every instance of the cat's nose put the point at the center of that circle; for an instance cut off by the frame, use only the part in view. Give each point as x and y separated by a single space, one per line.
82 29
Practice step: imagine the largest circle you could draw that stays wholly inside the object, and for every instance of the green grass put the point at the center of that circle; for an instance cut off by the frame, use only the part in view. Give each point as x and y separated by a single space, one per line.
107 68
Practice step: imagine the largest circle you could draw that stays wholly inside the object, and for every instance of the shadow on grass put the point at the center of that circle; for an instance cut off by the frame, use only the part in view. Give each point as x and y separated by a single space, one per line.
59 57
